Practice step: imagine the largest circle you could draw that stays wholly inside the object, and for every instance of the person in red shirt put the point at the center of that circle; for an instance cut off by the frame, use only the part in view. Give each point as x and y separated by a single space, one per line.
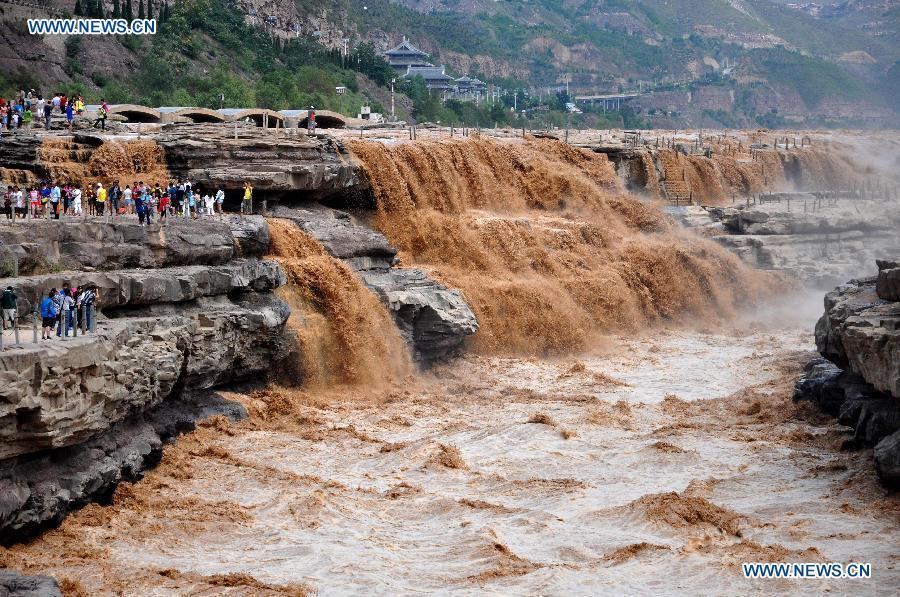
164 205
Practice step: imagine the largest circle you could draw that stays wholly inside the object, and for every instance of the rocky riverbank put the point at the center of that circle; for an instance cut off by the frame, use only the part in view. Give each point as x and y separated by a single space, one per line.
183 308
858 378
817 241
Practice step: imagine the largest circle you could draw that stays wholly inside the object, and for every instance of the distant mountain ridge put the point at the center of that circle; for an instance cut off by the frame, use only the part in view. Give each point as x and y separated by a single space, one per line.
706 62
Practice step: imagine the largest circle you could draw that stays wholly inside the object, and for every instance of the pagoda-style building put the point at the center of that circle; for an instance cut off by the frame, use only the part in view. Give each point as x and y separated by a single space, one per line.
435 77
409 61
405 56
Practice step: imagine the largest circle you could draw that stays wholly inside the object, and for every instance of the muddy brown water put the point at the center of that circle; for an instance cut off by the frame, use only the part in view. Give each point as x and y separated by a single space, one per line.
652 464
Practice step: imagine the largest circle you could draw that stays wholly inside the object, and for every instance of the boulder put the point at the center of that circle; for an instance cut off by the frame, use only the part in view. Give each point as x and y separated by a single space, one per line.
887 285
829 387
433 319
861 332
13 584
887 460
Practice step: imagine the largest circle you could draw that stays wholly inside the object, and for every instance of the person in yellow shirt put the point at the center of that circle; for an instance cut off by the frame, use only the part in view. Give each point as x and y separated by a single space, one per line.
101 199
247 203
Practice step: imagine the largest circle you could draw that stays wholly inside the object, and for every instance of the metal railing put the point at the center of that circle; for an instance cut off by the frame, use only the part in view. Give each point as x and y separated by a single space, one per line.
67 321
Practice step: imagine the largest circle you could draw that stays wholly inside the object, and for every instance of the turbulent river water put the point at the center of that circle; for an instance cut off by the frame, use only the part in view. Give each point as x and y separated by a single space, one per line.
651 449
648 464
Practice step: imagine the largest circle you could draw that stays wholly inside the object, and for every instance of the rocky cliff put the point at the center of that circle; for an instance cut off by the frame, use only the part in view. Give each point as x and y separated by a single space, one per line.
184 307
433 319
858 380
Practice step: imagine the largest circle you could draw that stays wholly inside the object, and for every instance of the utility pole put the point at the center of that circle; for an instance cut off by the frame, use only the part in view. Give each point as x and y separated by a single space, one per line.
393 117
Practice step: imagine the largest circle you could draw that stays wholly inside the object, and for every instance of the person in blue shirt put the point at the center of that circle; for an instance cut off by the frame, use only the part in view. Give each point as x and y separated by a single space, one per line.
70 114
55 194
48 315
45 200
140 206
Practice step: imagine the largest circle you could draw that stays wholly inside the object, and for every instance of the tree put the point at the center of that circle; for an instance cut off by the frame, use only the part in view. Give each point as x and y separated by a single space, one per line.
117 10
141 13
129 11
78 10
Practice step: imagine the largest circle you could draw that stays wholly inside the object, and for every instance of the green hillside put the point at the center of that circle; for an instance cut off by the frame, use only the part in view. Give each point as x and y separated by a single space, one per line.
764 51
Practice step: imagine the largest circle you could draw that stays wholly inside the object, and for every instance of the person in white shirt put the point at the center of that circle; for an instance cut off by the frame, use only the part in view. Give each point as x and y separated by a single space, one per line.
76 201
220 201
208 202
19 199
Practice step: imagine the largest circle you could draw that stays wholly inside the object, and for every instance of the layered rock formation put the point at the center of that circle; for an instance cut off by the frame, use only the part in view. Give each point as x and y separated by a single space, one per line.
858 380
817 241
210 155
433 319
228 156
199 313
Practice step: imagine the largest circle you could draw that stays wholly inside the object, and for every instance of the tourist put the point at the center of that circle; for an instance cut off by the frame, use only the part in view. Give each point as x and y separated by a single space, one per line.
76 201
311 121
88 196
164 206
8 309
192 202
151 202
102 113
34 198
127 201
173 194
79 105
55 195
247 203
114 194
58 300
67 313
39 106
208 203
19 199
70 115
48 315
26 118
100 200
140 205
186 204
85 305
8 204
220 201
179 197
48 110
45 200
67 198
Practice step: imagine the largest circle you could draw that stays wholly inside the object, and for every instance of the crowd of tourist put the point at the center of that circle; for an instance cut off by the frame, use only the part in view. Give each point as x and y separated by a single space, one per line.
148 201
61 311
30 109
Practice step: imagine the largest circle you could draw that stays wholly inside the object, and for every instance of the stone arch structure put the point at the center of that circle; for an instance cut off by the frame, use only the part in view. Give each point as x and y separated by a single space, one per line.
325 119
260 116
135 113
184 114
